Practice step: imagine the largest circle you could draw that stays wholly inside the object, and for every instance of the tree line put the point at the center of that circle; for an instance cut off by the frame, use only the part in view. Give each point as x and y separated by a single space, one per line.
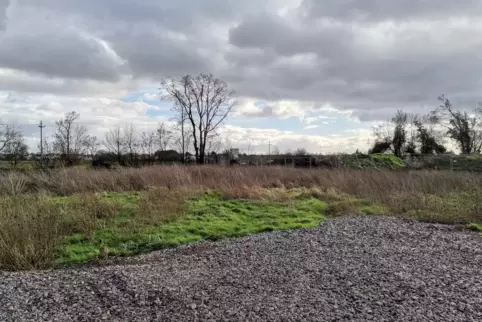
427 134
200 104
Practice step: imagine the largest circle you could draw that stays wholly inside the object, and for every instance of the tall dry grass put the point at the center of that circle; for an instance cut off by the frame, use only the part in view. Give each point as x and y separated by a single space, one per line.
31 225
71 181
427 195
159 205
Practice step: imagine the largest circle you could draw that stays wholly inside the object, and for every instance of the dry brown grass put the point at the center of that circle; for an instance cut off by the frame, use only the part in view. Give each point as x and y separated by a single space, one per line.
401 191
70 181
160 205
31 226
30 230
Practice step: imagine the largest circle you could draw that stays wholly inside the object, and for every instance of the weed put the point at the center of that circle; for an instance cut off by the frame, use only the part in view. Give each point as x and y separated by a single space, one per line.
29 231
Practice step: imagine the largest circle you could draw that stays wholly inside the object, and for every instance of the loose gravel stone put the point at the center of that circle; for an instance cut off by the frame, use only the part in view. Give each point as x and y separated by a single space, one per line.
347 269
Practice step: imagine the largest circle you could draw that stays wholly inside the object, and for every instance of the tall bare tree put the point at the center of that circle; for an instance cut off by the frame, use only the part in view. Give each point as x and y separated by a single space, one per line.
181 137
181 142
464 128
205 101
131 141
148 145
114 142
163 136
92 146
70 138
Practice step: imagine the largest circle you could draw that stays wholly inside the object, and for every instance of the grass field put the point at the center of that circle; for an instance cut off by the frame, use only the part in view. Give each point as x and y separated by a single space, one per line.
79 215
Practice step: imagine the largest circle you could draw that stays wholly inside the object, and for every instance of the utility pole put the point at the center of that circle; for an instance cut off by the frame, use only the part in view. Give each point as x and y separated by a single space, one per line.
41 126
269 152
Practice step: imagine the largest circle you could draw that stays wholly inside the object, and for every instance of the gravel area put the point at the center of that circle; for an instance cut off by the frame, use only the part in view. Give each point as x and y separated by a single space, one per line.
347 269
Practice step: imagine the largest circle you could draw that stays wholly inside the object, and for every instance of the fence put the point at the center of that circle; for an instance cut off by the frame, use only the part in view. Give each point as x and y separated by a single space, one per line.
360 161
446 162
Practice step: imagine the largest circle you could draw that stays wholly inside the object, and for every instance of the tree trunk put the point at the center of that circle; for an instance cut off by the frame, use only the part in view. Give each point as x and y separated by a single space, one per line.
201 157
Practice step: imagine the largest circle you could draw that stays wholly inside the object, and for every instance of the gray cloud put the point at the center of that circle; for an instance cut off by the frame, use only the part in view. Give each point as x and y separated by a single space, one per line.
370 56
4 4
370 10
50 46
150 52
366 65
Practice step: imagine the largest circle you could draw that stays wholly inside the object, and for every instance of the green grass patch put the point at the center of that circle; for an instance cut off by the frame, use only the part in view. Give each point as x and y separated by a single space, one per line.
475 227
206 217
40 230
387 161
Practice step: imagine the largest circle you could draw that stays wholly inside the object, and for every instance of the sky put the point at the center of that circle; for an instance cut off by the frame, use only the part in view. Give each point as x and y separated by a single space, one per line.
313 74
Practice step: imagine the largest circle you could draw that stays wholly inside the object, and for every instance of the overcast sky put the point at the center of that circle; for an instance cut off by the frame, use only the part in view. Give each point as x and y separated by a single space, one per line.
316 74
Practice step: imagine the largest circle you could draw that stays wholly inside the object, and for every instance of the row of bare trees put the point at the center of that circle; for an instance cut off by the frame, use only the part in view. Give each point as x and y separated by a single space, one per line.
200 105
121 141
126 144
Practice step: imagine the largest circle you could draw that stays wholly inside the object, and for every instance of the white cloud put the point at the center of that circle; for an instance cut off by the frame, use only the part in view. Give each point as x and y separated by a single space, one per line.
98 114
260 140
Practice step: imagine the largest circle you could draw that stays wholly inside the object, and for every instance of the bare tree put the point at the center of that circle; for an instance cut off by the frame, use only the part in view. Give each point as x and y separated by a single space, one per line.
163 136
114 142
214 145
70 138
16 150
248 148
182 137
131 141
463 128
301 152
8 133
205 101
181 142
92 146
392 135
148 143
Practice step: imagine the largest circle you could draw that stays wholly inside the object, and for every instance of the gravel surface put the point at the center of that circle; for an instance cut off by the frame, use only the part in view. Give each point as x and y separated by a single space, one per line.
347 269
